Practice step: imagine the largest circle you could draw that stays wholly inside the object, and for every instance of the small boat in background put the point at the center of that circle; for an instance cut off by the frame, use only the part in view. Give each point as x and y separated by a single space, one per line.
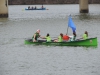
36 9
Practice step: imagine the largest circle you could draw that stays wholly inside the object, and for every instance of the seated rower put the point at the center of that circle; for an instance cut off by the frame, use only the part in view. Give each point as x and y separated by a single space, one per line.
35 7
84 36
48 38
59 39
66 37
42 6
28 7
32 7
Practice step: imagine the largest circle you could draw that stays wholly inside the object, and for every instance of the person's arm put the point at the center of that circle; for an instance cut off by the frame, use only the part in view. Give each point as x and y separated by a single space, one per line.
43 37
34 38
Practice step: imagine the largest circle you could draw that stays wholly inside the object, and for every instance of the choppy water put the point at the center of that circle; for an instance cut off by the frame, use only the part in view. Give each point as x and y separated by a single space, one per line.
19 59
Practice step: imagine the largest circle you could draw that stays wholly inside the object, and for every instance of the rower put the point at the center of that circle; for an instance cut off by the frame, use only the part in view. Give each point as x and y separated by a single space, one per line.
48 38
36 36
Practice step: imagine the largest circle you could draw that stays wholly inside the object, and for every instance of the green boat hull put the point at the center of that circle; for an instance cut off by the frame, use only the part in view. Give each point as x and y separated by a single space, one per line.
87 43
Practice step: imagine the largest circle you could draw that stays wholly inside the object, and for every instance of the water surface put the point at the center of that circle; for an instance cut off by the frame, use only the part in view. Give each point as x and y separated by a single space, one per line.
16 58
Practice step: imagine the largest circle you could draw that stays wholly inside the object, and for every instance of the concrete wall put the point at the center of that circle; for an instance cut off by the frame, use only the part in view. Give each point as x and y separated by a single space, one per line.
30 2
3 8
83 6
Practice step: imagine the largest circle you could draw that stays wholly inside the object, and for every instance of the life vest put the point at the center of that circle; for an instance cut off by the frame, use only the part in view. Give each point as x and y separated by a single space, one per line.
60 39
48 39
65 37
85 36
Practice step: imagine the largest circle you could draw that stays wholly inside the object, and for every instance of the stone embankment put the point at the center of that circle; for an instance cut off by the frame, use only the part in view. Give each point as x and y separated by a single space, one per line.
30 2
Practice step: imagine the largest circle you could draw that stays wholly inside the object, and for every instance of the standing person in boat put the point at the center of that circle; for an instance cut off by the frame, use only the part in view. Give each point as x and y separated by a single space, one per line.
48 38
36 36
73 38
60 38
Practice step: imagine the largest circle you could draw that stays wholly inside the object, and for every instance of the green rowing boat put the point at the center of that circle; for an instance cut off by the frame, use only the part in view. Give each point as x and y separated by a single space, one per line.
91 42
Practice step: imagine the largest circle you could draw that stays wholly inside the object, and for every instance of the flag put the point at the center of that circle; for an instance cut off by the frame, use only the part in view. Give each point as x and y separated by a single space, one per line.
71 24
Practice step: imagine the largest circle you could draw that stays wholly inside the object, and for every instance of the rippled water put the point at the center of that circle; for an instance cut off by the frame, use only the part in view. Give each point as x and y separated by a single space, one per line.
19 59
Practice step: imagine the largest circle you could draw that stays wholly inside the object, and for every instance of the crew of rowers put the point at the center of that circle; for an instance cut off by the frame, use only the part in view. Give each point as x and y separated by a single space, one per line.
61 37
34 7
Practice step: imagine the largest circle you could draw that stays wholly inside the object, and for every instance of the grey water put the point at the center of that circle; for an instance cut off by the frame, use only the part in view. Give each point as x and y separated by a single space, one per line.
16 58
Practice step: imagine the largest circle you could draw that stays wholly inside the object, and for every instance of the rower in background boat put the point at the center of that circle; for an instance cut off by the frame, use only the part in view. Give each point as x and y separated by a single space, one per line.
32 7
35 7
42 6
28 7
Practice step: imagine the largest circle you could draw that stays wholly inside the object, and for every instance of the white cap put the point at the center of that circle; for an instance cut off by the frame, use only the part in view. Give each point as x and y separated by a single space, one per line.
38 30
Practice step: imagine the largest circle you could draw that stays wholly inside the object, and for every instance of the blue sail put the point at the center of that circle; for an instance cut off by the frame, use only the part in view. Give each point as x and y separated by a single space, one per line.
71 24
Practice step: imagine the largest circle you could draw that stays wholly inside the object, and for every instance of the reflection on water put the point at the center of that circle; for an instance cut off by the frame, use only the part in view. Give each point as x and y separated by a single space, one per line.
19 59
